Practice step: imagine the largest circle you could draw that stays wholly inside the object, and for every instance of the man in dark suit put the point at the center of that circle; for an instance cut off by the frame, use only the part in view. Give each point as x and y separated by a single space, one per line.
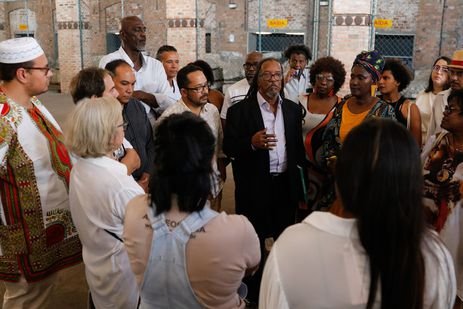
264 140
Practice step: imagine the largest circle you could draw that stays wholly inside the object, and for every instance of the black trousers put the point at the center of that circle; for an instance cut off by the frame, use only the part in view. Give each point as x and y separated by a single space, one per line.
278 213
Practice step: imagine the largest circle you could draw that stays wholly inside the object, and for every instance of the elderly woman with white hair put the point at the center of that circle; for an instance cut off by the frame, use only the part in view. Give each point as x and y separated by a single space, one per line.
99 191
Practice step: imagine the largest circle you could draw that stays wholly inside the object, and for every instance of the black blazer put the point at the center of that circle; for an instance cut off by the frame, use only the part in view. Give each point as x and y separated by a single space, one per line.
140 134
251 167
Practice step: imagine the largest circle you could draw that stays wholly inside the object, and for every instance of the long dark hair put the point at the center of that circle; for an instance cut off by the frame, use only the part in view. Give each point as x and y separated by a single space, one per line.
430 86
254 87
379 180
183 150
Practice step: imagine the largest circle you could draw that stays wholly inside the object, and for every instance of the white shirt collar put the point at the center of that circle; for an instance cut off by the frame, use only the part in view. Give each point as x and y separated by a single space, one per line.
127 58
333 224
262 101
108 163
204 108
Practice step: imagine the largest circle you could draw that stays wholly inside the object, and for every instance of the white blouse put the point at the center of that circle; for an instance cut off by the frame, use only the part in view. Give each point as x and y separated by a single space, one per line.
311 120
99 192
320 263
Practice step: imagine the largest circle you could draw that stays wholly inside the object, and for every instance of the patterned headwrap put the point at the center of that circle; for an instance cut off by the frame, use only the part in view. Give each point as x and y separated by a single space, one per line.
372 61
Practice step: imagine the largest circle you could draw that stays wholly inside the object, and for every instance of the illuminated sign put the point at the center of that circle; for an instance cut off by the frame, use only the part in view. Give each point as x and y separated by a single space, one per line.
277 23
383 23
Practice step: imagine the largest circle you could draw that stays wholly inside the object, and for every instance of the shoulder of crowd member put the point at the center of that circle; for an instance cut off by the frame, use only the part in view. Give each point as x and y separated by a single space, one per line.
384 110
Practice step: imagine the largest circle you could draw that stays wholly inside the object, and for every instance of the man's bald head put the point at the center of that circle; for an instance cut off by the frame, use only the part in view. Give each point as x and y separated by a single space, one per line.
133 33
250 66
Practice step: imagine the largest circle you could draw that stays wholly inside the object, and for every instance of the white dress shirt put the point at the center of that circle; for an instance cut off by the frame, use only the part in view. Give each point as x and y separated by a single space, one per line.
99 192
175 90
320 263
296 87
233 95
275 124
151 78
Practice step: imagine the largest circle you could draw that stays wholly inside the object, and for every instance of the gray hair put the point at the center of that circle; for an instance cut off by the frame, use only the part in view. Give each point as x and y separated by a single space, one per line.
92 126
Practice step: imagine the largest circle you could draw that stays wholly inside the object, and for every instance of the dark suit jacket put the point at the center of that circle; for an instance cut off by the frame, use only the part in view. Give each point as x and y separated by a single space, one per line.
251 167
140 134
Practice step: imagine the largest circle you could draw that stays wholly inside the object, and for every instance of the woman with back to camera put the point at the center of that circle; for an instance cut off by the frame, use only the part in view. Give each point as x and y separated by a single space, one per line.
351 112
438 81
377 252
443 182
184 254
395 78
98 194
327 75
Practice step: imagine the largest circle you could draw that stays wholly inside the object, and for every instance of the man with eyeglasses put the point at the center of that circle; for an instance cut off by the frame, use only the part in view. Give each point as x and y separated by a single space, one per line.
297 80
194 89
37 235
263 138
238 90
151 87
138 131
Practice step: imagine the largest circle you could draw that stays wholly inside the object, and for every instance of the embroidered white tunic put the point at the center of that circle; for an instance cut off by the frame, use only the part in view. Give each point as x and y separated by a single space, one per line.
37 236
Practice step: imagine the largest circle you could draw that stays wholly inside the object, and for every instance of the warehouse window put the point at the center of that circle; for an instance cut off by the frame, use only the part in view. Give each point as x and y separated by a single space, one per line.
208 43
274 42
396 46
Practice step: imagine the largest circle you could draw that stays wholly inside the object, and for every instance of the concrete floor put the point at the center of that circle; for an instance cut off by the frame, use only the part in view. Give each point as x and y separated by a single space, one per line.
72 289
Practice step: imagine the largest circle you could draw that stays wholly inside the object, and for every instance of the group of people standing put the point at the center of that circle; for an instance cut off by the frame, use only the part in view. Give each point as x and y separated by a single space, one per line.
133 187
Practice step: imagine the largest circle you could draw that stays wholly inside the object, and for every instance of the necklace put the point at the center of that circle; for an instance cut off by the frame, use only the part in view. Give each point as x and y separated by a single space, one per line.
456 147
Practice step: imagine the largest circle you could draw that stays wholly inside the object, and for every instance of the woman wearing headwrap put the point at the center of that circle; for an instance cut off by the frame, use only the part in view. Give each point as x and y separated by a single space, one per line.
352 111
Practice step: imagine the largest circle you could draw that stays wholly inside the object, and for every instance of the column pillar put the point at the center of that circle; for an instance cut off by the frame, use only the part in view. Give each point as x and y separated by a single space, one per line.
69 41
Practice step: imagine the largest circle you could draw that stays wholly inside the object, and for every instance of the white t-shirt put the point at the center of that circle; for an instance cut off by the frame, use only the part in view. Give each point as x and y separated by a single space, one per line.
320 263
233 95
98 194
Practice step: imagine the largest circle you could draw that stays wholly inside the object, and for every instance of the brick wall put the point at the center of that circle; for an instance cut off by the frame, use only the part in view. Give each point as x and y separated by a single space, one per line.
295 11
431 15
350 33
69 42
174 23
3 22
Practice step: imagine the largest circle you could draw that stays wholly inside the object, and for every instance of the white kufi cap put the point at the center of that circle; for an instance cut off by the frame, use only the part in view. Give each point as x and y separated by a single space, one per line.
19 50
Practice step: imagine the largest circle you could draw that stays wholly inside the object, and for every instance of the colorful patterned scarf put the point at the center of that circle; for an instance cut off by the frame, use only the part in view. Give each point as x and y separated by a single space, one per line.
372 61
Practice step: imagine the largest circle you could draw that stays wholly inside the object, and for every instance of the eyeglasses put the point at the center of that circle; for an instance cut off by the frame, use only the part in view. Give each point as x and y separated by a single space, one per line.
321 77
450 109
124 125
199 89
268 76
46 69
248 66
458 73
438 68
